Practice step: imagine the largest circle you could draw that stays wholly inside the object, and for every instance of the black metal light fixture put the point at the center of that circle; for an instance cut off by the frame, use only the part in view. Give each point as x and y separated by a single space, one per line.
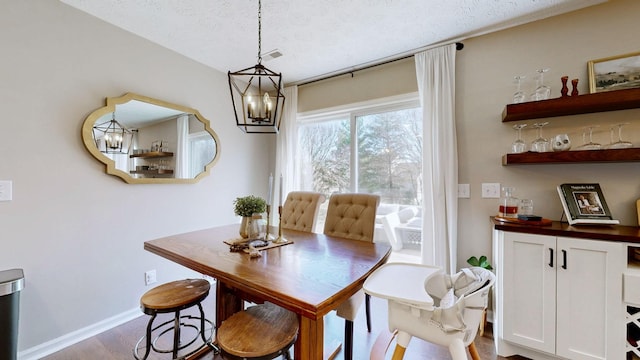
111 137
256 94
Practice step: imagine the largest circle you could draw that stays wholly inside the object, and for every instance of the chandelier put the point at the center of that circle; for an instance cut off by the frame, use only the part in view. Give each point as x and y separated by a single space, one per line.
256 94
111 137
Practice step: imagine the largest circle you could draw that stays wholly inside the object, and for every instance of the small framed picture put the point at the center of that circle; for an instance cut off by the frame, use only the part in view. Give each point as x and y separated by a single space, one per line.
155 145
614 73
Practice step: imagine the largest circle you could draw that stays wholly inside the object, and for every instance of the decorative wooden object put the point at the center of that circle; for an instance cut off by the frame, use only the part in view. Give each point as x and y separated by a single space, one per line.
565 89
574 87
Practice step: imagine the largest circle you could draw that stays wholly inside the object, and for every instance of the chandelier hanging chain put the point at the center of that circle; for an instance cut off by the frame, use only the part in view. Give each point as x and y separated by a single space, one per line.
256 94
259 31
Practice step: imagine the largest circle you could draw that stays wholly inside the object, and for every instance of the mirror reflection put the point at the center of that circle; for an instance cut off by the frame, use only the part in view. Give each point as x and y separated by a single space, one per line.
144 140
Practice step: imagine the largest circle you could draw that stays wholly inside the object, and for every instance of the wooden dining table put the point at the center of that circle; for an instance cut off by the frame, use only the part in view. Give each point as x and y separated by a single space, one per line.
310 276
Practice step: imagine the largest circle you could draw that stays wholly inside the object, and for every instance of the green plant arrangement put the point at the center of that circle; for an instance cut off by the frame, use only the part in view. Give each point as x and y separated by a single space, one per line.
249 205
482 262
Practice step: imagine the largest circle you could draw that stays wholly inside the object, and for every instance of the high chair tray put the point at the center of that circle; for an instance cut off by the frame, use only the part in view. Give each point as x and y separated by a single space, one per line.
402 282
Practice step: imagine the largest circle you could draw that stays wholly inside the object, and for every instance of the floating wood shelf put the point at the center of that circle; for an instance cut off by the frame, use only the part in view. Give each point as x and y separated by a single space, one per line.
152 172
573 105
580 156
152 154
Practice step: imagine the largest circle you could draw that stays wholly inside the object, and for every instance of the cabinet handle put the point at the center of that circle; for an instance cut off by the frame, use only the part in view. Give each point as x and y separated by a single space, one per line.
550 257
564 259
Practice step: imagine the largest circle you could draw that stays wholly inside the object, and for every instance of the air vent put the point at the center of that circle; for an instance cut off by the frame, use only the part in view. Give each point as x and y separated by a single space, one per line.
271 55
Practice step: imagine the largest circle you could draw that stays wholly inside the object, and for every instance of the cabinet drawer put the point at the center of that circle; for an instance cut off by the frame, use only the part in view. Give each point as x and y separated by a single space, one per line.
631 288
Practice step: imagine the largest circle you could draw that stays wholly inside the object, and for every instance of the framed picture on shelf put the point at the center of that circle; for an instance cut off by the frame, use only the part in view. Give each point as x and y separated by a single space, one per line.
614 73
585 204
155 145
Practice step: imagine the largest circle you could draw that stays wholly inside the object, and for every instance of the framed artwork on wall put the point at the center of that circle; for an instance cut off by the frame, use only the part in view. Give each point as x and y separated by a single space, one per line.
614 73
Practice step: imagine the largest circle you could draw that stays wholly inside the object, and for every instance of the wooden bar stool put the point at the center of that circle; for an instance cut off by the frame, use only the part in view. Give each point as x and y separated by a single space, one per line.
261 332
172 298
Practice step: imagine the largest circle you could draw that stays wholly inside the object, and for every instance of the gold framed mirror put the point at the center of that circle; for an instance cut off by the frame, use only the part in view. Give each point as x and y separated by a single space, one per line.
148 141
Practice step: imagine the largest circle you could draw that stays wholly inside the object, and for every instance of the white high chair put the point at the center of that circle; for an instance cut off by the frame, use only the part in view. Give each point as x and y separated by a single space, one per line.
430 305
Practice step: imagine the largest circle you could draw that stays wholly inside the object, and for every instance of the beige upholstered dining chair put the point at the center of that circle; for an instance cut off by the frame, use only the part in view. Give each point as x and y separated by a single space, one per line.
352 216
300 210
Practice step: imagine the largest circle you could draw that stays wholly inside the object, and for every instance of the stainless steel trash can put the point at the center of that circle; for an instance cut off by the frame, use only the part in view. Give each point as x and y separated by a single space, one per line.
11 282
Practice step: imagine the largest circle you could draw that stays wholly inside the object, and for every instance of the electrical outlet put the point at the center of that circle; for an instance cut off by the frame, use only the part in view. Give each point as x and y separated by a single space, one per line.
210 279
491 190
150 277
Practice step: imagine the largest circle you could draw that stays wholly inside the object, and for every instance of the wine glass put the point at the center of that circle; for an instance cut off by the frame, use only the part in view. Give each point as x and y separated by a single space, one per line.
518 146
540 144
589 145
619 144
542 91
519 96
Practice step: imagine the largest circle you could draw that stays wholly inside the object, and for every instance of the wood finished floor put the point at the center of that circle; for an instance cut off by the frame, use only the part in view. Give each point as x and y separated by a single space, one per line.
118 343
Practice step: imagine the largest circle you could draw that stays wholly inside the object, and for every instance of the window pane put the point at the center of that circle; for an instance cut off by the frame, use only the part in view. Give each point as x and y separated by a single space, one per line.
324 156
390 155
201 149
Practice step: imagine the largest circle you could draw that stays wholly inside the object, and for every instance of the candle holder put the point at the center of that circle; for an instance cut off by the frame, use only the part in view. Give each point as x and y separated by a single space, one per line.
280 239
267 235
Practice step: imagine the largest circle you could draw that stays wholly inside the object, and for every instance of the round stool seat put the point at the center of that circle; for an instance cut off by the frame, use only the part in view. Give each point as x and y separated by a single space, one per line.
261 331
172 298
176 295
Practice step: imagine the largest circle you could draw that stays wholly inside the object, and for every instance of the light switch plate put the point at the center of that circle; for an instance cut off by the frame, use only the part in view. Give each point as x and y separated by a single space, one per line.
463 191
6 193
491 190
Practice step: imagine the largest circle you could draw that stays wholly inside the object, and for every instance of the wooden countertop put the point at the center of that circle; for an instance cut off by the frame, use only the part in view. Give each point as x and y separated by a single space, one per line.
620 233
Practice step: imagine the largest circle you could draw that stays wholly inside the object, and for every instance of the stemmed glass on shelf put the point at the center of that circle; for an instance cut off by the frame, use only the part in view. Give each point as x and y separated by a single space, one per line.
540 144
542 91
589 145
518 146
519 96
618 144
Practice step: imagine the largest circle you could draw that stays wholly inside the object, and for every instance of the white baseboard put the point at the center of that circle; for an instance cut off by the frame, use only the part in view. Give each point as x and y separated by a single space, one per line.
49 347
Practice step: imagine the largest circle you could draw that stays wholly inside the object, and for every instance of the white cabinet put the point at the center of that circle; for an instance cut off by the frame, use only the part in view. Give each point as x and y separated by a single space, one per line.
559 297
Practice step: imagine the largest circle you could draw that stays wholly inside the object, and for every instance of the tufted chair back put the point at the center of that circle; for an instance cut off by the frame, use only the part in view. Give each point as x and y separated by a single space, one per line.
352 216
300 210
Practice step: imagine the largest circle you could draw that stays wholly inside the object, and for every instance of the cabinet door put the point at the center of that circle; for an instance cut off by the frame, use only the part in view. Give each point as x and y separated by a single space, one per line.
590 320
530 290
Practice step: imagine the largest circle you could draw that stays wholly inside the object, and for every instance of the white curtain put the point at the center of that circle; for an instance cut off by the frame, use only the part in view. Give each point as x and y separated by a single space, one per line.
435 71
286 145
182 148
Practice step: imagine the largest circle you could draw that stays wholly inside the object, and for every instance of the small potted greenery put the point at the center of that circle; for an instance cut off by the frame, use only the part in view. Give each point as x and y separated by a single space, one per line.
246 207
484 263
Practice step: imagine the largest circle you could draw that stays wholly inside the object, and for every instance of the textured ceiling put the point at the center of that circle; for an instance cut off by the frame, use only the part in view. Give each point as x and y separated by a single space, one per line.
316 38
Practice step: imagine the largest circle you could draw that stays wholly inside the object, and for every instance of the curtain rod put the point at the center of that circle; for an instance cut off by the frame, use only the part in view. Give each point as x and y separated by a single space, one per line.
459 46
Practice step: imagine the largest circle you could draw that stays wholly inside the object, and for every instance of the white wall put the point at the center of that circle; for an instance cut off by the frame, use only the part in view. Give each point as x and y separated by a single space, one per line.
77 232
484 85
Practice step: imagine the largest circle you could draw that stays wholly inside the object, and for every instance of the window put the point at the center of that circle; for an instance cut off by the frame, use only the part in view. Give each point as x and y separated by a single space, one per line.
201 149
374 148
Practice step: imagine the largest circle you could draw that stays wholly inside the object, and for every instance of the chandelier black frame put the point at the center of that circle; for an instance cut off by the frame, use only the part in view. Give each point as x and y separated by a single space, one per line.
256 94
112 138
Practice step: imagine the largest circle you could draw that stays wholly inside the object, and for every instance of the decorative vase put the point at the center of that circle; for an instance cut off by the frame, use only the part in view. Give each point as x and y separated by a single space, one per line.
565 89
574 85
245 226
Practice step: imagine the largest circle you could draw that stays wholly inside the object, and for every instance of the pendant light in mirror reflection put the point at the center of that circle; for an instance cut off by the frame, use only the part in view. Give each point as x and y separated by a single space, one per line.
256 94
111 137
